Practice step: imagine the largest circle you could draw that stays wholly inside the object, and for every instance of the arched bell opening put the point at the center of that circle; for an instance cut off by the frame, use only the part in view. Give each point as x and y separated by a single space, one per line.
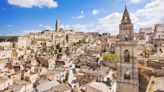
126 56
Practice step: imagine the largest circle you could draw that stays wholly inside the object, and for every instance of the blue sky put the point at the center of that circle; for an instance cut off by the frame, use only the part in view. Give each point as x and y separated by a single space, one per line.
22 16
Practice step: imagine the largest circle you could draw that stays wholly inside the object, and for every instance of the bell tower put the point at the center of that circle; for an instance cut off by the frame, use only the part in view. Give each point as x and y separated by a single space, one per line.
126 27
57 26
125 49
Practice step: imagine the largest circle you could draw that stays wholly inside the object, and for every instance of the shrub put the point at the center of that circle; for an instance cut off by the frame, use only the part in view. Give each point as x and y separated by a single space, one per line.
110 57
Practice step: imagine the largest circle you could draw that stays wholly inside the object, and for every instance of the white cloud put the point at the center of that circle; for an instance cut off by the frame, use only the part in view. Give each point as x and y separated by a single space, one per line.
9 25
49 27
34 3
95 12
24 32
79 27
45 26
68 27
151 14
135 1
82 12
30 31
109 23
78 17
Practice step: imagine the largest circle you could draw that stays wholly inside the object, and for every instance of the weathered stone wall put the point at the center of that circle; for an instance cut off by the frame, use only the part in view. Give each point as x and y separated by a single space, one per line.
123 87
121 47
110 64
91 89
156 65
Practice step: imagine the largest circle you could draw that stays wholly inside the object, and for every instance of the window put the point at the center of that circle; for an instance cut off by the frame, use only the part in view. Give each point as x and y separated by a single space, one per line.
127 75
126 56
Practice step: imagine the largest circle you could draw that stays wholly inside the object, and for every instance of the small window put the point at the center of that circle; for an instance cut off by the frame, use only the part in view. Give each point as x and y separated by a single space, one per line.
127 75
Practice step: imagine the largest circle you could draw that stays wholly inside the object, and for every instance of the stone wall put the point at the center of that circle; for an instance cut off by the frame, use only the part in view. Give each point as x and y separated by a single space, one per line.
122 46
6 54
91 89
110 64
124 87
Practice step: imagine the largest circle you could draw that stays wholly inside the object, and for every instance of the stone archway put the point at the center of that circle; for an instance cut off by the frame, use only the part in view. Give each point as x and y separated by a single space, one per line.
126 56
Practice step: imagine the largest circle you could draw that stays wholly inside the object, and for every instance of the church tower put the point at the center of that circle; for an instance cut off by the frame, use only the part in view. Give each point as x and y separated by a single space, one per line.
125 49
57 26
126 27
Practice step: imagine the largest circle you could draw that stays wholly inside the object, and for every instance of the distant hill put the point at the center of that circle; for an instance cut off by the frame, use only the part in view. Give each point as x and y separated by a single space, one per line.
8 38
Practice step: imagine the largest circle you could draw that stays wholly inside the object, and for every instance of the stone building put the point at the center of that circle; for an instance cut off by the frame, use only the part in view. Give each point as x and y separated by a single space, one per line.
57 26
159 41
125 51
159 28
145 34
6 50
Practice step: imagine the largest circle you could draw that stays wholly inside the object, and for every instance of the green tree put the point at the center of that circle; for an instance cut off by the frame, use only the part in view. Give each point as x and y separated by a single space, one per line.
81 42
148 53
51 49
110 57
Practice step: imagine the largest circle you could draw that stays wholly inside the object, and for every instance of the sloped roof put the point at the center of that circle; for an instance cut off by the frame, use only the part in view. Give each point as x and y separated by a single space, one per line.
126 18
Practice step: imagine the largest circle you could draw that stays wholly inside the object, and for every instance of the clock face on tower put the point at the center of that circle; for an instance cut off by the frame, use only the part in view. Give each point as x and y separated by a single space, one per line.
126 19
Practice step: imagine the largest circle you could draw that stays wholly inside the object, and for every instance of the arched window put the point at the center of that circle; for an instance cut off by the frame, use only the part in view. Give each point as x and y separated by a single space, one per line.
67 38
112 48
126 39
127 75
126 56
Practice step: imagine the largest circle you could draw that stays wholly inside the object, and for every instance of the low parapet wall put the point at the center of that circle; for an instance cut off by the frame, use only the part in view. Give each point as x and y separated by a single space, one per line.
110 64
